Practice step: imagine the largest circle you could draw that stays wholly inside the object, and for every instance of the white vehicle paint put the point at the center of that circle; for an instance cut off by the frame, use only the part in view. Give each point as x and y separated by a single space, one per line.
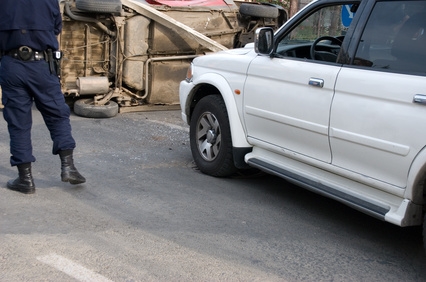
334 101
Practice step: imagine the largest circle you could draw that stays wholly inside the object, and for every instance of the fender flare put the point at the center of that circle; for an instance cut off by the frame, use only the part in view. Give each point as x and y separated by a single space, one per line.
219 82
416 178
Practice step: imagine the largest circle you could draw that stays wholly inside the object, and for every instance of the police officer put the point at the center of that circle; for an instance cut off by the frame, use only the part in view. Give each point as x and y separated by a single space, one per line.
28 30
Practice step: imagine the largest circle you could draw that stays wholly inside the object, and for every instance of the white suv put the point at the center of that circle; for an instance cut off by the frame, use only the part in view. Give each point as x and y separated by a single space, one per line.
334 101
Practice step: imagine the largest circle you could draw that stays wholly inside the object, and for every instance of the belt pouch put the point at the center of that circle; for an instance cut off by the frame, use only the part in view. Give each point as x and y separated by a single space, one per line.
25 53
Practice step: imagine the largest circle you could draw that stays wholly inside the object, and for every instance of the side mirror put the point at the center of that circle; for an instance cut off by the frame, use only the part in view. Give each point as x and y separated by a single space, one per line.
263 40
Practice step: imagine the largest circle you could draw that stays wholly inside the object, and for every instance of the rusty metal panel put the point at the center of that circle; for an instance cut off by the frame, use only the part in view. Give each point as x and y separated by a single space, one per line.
165 79
85 53
214 24
136 33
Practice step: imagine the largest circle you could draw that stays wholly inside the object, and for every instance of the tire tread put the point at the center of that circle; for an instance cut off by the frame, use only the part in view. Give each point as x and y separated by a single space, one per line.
223 165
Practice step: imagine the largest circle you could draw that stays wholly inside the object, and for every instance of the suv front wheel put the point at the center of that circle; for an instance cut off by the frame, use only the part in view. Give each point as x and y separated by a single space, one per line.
424 232
210 137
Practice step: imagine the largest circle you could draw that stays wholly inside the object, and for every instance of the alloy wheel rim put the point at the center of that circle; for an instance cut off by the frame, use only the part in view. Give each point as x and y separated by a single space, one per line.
208 136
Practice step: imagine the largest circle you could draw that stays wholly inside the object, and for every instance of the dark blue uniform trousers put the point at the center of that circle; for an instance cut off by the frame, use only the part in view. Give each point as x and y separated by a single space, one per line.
25 82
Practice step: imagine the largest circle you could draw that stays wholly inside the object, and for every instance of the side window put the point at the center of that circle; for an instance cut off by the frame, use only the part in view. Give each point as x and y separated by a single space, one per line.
394 38
320 35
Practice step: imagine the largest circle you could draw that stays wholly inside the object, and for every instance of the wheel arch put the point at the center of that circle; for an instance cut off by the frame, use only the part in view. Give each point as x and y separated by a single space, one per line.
217 85
416 182
416 186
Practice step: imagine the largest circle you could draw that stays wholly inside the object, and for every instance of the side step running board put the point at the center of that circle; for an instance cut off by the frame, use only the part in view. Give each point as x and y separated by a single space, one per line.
319 188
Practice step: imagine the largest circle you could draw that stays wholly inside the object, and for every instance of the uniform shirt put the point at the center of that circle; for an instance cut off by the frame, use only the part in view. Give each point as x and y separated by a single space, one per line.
32 23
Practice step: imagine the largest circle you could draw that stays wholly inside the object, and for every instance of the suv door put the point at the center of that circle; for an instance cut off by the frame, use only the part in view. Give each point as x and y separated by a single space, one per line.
379 109
287 98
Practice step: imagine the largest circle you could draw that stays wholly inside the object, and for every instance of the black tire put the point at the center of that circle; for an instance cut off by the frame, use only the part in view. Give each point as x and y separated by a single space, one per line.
259 11
210 137
424 232
99 6
87 108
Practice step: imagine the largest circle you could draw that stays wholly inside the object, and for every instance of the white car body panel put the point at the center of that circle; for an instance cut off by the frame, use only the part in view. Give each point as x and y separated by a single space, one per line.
349 131
230 79
383 149
275 95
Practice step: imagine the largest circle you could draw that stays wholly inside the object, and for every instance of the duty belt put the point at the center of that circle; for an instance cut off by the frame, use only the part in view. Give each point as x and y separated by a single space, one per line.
25 53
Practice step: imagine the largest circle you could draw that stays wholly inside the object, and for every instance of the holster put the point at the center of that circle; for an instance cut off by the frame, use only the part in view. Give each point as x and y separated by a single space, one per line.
54 61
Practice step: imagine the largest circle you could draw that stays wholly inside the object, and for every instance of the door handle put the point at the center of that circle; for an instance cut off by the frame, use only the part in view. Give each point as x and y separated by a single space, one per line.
317 82
419 99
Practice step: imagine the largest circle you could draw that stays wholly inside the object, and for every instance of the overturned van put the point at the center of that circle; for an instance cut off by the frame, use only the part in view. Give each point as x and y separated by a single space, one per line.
130 55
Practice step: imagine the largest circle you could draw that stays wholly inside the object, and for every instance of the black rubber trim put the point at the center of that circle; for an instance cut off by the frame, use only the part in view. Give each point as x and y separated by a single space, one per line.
99 6
352 201
239 154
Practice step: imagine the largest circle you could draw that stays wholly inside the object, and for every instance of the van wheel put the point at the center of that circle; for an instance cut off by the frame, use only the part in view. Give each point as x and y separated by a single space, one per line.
99 6
210 137
87 108
259 11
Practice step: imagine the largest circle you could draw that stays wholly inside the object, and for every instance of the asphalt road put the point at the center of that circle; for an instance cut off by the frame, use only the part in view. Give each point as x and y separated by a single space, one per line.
147 214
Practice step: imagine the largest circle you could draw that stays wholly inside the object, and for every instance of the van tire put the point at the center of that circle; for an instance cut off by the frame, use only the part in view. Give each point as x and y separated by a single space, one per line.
259 11
87 108
99 6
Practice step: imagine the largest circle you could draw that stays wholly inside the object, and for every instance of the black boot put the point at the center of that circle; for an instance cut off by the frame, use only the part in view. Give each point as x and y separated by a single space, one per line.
68 171
24 183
